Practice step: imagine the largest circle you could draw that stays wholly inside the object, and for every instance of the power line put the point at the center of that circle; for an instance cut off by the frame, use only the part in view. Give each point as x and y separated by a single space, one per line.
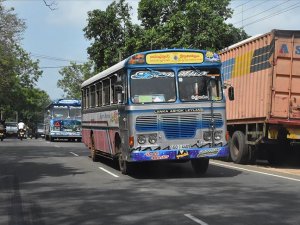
275 14
261 12
55 58
263 2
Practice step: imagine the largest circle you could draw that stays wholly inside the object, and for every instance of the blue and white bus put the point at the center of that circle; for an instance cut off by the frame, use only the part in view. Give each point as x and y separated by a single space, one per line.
62 120
157 105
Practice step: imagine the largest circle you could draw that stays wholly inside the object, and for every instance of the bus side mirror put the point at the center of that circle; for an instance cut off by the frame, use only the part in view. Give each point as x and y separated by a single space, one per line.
231 93
120 97
119 91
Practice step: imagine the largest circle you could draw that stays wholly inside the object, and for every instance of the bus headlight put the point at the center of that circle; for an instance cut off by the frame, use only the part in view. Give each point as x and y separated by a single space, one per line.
141 139
218 135
207 135
152 138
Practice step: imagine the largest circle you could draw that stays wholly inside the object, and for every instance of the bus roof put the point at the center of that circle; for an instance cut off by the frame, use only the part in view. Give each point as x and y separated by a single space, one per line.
208 56
104 73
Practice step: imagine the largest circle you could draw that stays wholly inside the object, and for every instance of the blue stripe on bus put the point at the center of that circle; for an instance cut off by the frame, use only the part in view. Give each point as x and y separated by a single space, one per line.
175 154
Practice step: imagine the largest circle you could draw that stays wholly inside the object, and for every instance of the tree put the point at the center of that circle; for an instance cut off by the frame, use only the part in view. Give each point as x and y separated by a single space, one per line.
108 30
18 72
73 76
164 24
188 23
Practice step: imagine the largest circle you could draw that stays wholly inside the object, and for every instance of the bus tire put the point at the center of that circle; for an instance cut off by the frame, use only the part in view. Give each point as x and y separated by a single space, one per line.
238 148
123 164
200 165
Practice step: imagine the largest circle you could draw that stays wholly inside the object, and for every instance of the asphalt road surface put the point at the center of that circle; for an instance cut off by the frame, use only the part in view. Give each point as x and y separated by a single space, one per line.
57 184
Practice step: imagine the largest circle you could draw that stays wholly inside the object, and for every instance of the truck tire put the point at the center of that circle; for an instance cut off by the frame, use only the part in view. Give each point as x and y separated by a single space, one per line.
239 148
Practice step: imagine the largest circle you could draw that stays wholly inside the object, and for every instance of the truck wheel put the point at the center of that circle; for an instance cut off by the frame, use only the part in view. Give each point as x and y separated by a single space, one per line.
200 165
239 148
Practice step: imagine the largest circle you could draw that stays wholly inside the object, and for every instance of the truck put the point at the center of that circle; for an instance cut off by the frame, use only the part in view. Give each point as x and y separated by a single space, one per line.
263 121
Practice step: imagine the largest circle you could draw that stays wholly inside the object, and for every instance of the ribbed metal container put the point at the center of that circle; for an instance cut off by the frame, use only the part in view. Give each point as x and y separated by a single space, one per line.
265 73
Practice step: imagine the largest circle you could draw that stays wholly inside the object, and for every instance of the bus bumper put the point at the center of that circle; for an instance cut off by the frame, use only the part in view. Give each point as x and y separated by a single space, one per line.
178 154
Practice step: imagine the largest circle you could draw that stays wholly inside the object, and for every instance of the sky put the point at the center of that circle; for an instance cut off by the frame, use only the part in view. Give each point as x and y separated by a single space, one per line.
56 37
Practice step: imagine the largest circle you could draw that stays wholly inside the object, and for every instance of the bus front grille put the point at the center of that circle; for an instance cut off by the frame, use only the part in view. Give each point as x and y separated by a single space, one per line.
179 126
146 123
207 122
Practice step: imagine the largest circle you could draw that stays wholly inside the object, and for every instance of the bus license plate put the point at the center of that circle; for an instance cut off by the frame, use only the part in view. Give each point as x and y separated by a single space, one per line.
180 146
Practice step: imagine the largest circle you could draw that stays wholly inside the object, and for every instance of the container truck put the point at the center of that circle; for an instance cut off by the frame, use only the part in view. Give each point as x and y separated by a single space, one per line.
264 118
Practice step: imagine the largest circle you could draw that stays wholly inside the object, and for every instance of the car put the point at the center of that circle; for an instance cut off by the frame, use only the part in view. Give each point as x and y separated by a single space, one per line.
11 129
40 130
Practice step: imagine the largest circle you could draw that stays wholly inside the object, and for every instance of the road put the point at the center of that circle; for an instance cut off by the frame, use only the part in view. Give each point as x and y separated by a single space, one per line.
57 183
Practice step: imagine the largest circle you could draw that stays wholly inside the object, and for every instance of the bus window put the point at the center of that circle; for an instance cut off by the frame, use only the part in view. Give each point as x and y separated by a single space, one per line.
114 98
149 86
87 97
198 85
106 92
75 112
60 112
83 98
92 96
99 94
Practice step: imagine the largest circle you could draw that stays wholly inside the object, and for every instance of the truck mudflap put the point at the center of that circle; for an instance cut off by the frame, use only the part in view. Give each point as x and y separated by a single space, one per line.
178 154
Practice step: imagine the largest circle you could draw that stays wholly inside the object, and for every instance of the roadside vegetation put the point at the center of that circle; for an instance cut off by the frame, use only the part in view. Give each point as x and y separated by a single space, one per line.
19 96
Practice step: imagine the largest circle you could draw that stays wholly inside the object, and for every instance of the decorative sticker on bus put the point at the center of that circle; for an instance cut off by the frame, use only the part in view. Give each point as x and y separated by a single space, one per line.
212 57
109 118
174 58
151 74
161 111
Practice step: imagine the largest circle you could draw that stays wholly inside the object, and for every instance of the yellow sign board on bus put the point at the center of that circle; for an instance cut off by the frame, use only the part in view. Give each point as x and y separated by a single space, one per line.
174 58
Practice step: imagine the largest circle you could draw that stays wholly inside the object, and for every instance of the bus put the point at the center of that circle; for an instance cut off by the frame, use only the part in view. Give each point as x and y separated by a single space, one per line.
157 105
62 120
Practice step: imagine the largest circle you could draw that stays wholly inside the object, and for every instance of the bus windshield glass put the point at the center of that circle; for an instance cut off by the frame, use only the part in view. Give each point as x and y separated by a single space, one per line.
75 112
199 85
60 112
148 86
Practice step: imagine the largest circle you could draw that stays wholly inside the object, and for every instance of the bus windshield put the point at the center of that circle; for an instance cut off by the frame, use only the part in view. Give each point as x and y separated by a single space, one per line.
149 86
195 85
75 112
60 112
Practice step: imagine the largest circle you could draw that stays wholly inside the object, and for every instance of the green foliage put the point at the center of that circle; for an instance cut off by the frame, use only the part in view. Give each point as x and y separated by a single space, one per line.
164 24
109 31
18 73
73 76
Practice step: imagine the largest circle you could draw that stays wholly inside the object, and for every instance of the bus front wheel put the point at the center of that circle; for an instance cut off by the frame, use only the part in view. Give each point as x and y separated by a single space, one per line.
123 164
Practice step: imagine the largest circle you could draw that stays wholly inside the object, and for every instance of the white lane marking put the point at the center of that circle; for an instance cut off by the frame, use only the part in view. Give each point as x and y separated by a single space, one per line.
114 175
56 146
74 153
195 219
253 171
